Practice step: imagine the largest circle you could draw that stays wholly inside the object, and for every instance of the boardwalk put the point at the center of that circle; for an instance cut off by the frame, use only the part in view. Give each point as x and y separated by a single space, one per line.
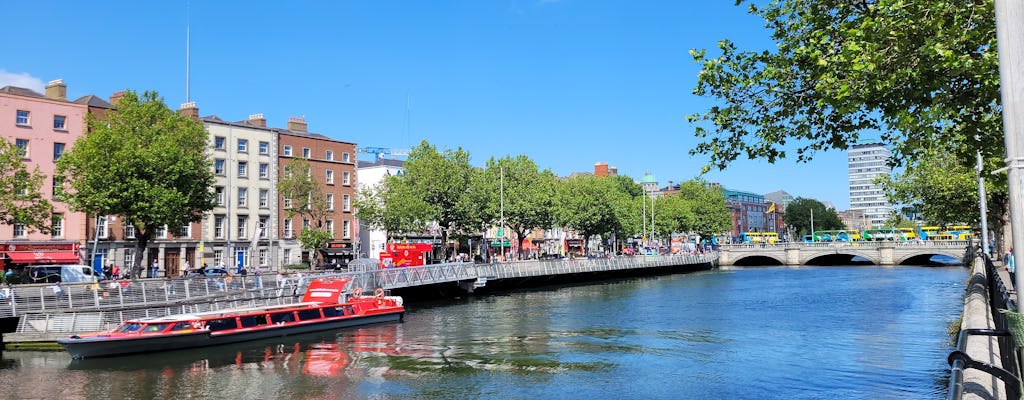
48 311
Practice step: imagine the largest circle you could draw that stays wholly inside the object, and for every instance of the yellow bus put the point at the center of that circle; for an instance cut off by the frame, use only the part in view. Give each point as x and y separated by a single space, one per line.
760 237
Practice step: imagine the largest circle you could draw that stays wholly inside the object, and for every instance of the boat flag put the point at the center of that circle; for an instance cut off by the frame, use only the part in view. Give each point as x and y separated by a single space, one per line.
770 209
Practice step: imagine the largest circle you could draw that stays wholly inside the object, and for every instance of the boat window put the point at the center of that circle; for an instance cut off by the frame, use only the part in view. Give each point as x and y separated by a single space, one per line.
221 324
333 312
306 315
253 320
348 310
282 317
155 328
129 327
181 326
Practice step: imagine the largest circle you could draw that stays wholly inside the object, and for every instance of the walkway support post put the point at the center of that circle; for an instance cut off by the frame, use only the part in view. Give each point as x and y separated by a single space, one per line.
982 204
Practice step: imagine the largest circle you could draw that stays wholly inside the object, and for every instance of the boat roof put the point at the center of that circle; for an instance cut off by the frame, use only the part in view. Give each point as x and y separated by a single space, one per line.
225 313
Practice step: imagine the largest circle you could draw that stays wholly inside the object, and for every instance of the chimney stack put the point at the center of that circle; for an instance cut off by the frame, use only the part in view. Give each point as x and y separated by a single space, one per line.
613 171
601 169
258 120
297 124
189 110
57 90
116 97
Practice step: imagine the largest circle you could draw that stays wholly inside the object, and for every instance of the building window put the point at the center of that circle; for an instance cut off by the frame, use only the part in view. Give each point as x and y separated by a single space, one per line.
218 257
330 201
263 226
346 229
305 152
243 169
22 118
264 198
264 147
287 150
22 145
102 227
58 187
345 178
218 226
288 231
330 227
243 145
344 157
129 230
58 150
57 225
287 171
330 177
287 256
19 230
242 222
305 224
264 170
329 155
129 257
219 143
287 203
219 192
346 203
58 122
263 257
218 167
161 232
185 231
243 197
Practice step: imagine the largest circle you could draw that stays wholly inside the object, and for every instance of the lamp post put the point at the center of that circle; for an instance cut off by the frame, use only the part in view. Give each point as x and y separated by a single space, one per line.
982 206
98 267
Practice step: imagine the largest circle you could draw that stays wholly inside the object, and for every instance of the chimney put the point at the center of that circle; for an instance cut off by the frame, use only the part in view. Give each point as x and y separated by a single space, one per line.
258 120
57 90
116 97
670 187
189 110
601 169
613 171
297 124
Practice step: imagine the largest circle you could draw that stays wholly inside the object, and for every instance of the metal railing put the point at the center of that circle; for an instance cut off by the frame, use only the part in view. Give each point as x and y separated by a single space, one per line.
942 244
52 309
1000 298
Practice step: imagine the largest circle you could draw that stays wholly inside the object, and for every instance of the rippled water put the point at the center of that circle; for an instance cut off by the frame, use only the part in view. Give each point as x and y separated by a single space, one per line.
758 333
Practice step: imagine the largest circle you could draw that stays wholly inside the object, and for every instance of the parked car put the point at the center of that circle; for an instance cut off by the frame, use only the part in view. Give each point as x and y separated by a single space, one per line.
209 273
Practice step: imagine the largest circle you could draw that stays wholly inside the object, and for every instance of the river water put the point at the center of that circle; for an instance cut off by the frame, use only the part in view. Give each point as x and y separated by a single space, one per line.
748 333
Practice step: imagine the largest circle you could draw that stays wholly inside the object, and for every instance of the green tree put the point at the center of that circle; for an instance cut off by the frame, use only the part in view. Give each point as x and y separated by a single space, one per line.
917 72
707 205
799 216
147 164
529 194
443 180
392 207
309 202
21 200
587 204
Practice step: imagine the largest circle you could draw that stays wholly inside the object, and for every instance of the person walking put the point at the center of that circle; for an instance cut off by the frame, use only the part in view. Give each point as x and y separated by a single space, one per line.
154 268
1010 265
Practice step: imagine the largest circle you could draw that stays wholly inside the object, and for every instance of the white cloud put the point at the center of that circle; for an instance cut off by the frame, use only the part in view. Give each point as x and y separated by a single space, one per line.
21 80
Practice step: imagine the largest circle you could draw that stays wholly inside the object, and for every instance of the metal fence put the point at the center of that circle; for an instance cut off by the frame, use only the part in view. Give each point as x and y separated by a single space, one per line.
51 310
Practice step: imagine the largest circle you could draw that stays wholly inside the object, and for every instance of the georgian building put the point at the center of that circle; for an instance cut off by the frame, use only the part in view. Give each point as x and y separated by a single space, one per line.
43 127
333 164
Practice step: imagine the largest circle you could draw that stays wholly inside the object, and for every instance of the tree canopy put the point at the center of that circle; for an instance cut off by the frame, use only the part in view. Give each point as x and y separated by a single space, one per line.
529 194
309 202
915 72
21 200
146 163
799 216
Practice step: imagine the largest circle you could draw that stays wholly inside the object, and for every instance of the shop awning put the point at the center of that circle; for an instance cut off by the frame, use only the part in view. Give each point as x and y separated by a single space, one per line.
43 257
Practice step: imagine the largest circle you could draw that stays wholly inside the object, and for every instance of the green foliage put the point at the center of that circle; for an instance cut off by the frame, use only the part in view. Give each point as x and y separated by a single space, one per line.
587 204
314 239
308 202
529 194
917 72
798 216
147 164
21 200
710 215
391 206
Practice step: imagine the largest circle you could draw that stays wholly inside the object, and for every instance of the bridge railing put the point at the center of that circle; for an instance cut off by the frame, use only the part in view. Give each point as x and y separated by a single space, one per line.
944 244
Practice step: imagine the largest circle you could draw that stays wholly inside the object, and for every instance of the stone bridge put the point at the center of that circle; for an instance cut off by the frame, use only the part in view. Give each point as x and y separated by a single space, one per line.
832 253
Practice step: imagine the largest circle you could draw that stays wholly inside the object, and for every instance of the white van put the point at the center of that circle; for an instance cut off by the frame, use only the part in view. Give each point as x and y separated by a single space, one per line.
51 273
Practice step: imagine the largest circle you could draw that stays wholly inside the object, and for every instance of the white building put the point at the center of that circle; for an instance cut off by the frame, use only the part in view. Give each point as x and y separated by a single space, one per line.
370 174
868 161
241 229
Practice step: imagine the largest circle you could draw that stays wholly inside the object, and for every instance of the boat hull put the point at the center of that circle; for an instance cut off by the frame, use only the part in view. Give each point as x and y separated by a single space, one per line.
106 346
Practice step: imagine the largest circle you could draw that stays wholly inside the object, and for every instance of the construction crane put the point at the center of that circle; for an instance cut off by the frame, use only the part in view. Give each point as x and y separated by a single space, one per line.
382 151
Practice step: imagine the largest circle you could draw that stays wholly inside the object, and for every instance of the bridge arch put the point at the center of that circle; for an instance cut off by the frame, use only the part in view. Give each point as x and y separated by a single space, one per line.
758 260
840 258
924 257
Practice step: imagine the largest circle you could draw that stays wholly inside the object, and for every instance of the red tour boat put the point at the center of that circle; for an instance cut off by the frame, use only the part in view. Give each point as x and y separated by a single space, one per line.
326 305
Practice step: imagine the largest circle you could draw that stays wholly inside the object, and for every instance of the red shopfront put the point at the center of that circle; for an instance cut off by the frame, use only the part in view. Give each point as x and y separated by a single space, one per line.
21 254
405 255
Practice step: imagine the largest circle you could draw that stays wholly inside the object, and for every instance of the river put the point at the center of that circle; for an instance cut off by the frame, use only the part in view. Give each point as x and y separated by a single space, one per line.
846 332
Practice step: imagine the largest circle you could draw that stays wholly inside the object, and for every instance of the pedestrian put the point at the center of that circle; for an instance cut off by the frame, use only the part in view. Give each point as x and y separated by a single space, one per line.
1010 265
188 267
116 271
154 268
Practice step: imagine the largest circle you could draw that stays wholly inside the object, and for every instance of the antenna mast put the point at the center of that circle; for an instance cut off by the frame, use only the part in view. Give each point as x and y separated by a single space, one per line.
188 42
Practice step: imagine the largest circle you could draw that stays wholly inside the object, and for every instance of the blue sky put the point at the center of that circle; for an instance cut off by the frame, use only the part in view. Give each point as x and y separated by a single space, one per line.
566 82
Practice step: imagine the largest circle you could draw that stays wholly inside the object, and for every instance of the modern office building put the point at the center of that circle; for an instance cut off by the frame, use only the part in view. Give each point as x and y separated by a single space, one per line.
867 161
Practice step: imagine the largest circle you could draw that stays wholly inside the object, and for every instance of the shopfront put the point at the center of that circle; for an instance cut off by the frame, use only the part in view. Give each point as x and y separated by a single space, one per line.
17 256
338 254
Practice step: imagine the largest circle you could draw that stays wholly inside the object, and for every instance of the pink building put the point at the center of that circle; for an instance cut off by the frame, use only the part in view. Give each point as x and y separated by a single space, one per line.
45 126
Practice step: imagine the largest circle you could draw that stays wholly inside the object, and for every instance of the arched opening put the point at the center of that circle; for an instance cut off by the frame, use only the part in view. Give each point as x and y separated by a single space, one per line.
932 260
754 261
839 259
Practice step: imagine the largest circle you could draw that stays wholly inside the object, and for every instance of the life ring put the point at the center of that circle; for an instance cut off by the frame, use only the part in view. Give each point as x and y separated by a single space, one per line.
379 293
357 292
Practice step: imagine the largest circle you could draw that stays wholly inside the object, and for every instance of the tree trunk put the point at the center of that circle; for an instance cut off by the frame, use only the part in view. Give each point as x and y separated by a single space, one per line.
520 236
141 242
